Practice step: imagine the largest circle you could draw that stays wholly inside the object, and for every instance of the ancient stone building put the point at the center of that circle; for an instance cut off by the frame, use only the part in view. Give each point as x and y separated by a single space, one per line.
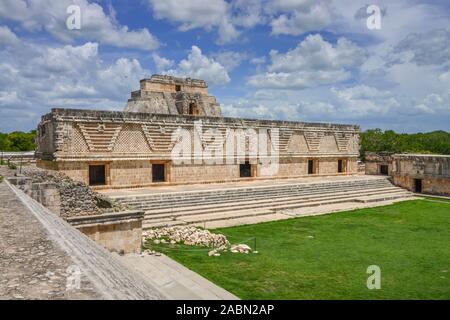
171 95
378 163
172 132
422 173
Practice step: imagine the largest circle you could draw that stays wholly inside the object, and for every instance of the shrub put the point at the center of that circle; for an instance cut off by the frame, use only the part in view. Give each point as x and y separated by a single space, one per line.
12 166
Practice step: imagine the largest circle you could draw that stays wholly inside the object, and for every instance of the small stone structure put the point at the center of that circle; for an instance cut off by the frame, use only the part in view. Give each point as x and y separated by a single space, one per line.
378 163
171 95
175 134
118 232
422 173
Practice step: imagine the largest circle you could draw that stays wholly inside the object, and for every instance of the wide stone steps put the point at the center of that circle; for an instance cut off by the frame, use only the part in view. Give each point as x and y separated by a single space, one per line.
172 198
240 197
275 204
259 202
261 212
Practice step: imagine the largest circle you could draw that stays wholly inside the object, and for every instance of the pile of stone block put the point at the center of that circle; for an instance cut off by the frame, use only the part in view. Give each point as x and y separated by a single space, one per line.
75 198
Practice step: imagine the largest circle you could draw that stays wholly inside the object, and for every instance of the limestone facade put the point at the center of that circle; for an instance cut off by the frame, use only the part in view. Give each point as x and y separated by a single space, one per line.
171 95
422 173
378 163
119 232
132 149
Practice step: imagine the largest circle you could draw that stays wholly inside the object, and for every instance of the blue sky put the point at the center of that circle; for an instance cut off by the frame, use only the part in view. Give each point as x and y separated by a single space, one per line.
305 60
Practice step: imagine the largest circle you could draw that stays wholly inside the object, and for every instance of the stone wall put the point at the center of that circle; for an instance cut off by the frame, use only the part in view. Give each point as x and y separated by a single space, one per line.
429 185
432 170
124 174
127 144
77 204
119 232
374 161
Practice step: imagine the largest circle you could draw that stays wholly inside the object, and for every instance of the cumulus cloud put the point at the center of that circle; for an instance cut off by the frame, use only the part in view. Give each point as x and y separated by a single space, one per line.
199 66
230 59
305 16
364 101
430 48
35 78
313 62
162 63
96 25
7 37
197 14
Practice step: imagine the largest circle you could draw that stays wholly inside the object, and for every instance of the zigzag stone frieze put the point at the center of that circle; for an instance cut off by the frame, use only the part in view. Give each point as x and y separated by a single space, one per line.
342 139
313 139
160 138
100 136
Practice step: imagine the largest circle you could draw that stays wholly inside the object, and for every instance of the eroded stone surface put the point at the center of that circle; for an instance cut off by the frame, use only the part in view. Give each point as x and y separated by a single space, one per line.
31 265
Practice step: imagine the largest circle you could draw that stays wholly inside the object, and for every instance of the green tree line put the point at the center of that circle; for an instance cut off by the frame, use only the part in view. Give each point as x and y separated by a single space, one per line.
376 140
17 141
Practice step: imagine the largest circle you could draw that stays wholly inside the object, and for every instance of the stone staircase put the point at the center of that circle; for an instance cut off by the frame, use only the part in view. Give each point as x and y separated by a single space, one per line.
196 207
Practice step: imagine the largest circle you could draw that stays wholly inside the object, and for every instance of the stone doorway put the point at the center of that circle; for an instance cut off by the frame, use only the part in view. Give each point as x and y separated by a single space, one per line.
311 167
97 175
245 170
384 169
193 109
418 185
340 166
158 172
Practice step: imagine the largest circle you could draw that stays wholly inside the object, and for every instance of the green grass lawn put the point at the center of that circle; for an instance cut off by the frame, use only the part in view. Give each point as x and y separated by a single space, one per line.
326 257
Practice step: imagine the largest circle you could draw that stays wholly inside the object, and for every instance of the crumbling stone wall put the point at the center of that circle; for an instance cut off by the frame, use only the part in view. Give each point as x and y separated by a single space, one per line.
76 198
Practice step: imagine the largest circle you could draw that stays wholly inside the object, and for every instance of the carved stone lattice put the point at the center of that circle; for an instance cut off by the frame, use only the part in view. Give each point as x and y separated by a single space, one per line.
160 138
313 139
280 142
100 136
342 139
212 138
131 140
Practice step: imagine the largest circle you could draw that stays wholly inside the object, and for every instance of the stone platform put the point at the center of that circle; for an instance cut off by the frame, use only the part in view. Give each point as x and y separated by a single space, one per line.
221 205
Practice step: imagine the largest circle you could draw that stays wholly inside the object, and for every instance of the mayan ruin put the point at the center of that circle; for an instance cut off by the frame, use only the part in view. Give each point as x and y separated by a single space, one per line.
137 147
224 158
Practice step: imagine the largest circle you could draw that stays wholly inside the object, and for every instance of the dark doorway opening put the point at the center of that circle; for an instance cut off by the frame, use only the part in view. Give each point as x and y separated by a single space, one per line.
310 166
418 185
158 172
340 166
177 87
97 175
193 110
384 169
245 170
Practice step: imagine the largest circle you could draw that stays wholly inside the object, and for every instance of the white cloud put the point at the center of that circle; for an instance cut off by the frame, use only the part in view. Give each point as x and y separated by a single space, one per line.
162 63
430 48
258 60
197 14
363 101
313 62
227 32
313 17
191 14
96 25
35 78
7 37
199 66
230 59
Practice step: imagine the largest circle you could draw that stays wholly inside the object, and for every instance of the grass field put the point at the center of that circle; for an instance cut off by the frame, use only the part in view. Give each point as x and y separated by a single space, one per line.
326 257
